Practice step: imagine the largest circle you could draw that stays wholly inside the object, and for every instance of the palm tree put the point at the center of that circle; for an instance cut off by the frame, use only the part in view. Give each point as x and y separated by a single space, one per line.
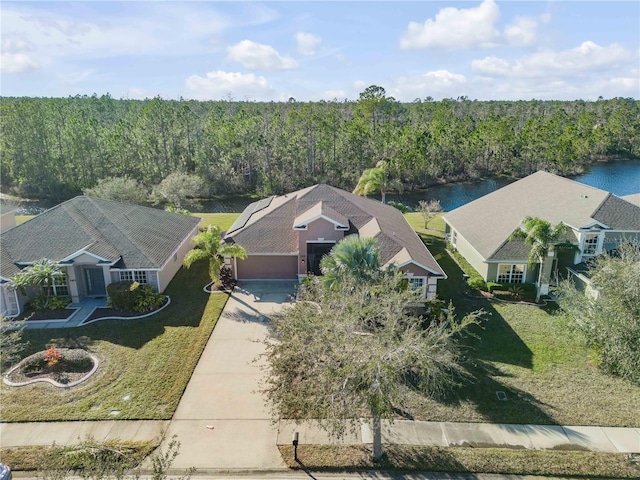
209 246
40 274
377 180
354 257
540 235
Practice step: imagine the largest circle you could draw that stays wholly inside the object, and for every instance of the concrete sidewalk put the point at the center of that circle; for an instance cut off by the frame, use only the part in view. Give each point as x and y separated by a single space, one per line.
68 433
476 435
401 432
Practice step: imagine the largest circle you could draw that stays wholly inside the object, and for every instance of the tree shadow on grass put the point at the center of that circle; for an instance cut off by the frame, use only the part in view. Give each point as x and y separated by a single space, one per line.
187 309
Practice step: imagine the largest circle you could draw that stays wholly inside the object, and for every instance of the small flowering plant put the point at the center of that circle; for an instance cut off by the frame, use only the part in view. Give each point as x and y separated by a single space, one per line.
52 356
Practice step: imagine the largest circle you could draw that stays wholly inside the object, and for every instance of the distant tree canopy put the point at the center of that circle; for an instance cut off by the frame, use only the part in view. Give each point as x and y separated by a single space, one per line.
56 147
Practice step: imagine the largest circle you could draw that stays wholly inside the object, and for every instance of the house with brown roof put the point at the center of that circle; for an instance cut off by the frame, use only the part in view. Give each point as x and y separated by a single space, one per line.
598 221
96 242
286 236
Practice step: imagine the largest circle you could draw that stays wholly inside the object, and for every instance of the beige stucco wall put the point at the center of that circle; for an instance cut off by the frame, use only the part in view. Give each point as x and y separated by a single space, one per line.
171 267
268 267
474 258
318 230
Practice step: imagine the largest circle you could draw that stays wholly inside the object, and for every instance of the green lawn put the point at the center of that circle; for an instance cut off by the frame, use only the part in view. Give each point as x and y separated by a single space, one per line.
145 364
528 352
223 220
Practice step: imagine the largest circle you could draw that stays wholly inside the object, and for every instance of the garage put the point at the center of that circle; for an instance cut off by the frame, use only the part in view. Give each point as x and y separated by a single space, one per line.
268 267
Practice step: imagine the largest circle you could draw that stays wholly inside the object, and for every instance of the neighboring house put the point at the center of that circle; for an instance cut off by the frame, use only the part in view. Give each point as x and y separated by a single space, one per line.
7 217
597 221
96 242
286 236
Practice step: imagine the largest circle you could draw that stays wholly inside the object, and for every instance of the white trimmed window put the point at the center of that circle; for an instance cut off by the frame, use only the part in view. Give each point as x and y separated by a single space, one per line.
511 273
454 237
139 276
418 283
59 286
590 245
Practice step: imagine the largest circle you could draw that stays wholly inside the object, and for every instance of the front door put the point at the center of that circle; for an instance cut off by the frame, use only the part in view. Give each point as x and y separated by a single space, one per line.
95 282
315 252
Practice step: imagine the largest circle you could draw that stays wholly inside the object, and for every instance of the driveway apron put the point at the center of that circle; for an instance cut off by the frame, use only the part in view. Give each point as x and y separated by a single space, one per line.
222 421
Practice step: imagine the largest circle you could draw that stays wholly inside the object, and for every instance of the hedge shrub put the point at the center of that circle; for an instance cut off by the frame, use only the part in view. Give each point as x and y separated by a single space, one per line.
477 283
134 297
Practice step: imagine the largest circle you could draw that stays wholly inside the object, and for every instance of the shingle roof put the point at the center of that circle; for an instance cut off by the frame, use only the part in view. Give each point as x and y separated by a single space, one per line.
270 230
137 236
488 222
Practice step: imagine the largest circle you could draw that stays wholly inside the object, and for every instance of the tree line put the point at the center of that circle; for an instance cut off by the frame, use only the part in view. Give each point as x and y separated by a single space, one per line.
56 147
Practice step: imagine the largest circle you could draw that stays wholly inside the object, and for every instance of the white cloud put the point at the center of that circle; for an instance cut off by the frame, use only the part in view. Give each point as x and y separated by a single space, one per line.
437 84
17 63
308 43
588 57
258 56
217 85
455 28
522 32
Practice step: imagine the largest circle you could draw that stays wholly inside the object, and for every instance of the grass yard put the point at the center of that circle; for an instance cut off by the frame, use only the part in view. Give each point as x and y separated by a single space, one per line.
223 220
145 364
546 371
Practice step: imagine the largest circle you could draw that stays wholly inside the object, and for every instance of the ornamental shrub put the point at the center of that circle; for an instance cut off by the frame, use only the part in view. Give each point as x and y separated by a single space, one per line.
147 300
477 283
122 295
59 302
134 297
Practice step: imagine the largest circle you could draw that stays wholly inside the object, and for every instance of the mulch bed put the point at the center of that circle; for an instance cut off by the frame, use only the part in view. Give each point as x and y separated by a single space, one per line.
46 314
61 373
102 312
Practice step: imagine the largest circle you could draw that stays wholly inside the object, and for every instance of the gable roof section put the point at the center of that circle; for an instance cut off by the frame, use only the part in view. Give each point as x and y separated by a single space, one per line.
321 210
618 214
488 222
270 230
132 235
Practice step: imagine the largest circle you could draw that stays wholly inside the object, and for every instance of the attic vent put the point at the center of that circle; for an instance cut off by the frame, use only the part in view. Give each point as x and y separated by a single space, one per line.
501 395
585 196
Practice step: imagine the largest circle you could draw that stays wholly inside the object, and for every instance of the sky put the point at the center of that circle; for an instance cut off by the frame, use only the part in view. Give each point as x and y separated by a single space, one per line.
310 51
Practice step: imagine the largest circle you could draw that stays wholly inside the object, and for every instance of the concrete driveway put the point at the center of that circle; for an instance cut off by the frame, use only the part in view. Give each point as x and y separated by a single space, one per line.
222 421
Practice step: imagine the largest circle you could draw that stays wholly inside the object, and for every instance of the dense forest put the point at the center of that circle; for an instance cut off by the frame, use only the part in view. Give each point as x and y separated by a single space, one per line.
55 147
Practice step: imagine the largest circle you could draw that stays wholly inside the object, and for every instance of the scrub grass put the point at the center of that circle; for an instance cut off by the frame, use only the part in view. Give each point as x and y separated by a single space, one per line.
528 352
464 460
145 364
34 458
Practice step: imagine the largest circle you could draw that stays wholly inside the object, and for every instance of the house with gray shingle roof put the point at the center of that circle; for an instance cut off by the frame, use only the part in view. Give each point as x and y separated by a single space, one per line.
286 236
598 221
97 242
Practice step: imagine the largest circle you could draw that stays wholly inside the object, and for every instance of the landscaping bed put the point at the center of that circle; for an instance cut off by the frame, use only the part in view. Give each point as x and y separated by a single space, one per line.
68 367
45 314
107 312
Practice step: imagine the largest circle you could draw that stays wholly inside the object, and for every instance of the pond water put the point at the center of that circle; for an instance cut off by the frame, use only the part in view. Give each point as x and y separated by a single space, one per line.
620 178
